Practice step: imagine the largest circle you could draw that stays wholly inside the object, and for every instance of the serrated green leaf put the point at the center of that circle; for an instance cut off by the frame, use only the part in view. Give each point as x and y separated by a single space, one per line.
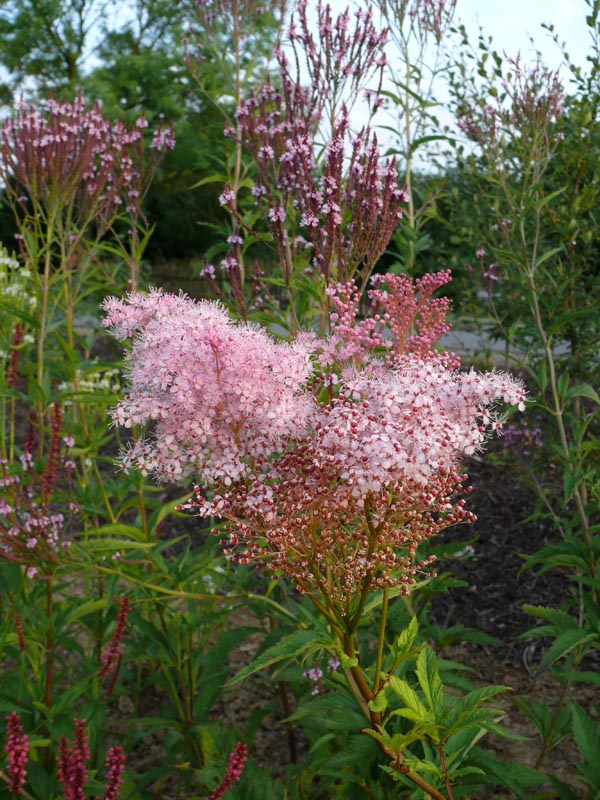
331 712
113 545
564 644
79 610
587 735
327 737
559 619
405 642
408 696
584 390
118 529
295 644
379 702
430 683
564 792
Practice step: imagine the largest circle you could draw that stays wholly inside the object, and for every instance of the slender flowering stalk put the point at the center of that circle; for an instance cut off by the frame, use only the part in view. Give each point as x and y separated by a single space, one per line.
17 750
112 654
115 764
330 202
71 762
19 630
235 767
12 369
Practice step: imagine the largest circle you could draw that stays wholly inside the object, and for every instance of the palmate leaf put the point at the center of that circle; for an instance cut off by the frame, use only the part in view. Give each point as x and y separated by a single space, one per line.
564 554
563 791
467 711
517 777
399 741
330 712
558 619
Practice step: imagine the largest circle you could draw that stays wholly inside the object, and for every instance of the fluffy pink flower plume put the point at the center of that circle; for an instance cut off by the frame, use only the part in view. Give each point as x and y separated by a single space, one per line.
221 394
334 488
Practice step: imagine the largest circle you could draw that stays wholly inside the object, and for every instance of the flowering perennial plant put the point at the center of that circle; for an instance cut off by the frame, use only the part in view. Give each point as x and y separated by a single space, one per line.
72 155
33 523
329 201
330 463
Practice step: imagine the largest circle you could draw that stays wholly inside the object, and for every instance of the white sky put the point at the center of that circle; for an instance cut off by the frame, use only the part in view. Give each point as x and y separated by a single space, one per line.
510 22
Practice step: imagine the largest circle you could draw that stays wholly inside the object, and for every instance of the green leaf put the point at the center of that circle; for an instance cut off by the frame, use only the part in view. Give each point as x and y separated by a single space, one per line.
347 662
587 735
295 644
409 697
405 642
330 712
118 529
219 177
379 702
584 390
79 610
429 680
558 619
564 644
564 792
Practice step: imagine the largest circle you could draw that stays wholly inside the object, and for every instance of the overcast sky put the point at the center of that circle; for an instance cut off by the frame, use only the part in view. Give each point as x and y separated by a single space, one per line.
510 22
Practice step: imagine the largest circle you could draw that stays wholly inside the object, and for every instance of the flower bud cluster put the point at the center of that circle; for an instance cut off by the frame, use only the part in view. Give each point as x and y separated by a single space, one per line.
72 766
527 107
235 767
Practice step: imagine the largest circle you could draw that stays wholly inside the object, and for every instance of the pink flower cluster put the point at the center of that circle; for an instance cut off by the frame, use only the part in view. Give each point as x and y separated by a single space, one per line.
73 153
221 394
235 767
72 766
334 487
17 750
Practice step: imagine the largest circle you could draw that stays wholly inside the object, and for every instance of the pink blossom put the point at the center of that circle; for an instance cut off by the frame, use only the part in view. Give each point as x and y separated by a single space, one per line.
235 767
17 750
335 489
220 394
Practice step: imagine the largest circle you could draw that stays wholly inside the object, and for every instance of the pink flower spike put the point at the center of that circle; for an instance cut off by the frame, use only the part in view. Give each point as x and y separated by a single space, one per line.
235 767
115 764
17 750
